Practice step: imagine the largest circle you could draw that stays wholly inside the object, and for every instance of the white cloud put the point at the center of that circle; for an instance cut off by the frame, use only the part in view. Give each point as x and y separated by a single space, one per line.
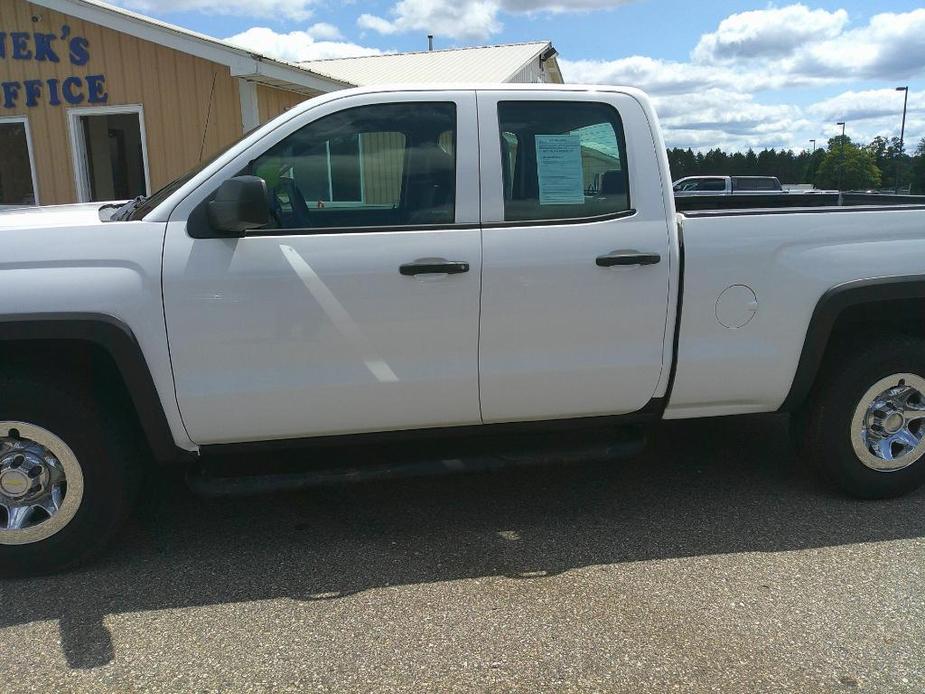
298 10
531 6
467 19
771 33
892 45
651 74
871 104
805 46
323 30
377 24
870 113
297 46
459 19
711 100
728 119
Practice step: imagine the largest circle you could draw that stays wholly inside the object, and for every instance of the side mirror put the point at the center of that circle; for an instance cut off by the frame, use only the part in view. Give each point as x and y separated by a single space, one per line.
240 203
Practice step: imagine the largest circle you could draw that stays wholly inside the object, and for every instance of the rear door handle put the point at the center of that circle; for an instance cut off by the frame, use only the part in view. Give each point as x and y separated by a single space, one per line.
434 266
627 258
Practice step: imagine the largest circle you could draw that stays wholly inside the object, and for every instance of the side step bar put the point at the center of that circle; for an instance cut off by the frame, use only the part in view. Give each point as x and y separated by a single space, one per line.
209 478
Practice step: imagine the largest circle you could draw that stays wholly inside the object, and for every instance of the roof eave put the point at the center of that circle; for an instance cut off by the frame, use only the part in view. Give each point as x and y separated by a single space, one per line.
546 46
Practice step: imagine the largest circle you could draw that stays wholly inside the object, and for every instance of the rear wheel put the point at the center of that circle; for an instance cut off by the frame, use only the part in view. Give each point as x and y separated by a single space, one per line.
864 426
66 475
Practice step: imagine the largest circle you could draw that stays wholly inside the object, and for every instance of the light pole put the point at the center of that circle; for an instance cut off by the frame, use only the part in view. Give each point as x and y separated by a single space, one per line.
902 133
841 164
814 146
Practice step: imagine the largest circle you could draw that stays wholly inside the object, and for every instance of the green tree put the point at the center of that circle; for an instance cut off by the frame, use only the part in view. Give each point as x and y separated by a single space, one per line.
918 169
892 162
847 166
812 164
871 166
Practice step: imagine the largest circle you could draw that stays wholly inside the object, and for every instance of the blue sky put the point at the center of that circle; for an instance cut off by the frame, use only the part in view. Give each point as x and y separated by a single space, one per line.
736 75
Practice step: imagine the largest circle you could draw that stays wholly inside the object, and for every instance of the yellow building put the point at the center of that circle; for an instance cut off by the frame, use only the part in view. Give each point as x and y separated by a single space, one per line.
99 103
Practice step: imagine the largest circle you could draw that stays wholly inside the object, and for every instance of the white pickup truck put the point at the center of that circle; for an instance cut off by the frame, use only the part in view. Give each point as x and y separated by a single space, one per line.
445 269
726 185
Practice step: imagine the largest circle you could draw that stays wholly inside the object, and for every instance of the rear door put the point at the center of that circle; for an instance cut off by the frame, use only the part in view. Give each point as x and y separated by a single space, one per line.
357 309
575 256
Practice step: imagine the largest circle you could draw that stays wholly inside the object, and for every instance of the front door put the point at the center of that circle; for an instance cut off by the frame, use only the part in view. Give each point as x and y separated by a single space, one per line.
575 265
357 308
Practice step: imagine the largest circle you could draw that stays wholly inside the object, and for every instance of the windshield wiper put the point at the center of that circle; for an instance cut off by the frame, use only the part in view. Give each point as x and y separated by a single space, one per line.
125 211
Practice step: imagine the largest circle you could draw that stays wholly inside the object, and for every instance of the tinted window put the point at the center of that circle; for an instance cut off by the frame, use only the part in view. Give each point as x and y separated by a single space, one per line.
712 184
756 184
371 166
562 160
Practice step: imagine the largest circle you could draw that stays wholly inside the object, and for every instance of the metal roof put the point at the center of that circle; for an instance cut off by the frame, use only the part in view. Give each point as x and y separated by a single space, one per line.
480 64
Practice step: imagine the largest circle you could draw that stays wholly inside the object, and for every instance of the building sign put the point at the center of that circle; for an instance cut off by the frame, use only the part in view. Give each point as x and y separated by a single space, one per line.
37 47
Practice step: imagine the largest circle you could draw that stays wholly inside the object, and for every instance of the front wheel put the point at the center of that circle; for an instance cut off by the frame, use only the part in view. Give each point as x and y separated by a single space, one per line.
865 422
67 475
41 484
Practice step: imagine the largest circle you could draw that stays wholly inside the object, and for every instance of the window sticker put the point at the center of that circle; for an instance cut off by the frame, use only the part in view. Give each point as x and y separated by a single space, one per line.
558 169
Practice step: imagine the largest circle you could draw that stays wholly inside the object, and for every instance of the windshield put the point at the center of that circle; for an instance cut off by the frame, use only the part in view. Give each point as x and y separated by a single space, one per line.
146 205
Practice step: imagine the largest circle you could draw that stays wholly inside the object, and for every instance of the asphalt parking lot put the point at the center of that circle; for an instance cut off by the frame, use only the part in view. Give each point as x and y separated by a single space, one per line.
711 563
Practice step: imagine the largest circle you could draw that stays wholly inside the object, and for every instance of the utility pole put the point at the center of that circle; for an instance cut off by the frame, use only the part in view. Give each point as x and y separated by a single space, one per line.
814 146
902 134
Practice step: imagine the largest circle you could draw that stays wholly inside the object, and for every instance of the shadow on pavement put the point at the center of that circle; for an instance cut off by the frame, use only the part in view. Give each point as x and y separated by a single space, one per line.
719 487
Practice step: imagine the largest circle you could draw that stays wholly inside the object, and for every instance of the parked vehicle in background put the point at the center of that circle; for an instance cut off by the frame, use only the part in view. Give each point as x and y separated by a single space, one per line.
726 185
430 278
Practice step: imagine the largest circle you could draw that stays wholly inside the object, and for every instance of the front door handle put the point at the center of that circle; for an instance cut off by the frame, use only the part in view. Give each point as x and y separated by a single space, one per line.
627 258
434 266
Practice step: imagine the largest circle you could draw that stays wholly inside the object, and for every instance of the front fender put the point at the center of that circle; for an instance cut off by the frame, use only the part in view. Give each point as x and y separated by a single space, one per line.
118 341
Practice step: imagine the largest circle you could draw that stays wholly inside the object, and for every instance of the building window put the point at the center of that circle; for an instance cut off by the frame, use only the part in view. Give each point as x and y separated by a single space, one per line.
17 174
110 156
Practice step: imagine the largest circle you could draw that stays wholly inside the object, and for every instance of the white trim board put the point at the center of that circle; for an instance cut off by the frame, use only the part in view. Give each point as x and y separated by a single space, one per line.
250 107
35 181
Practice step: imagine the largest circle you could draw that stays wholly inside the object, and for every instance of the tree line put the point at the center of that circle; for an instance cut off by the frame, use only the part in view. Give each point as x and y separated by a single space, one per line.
842 164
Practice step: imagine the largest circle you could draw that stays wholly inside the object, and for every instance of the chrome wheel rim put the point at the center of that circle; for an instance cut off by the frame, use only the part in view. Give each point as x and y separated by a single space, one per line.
41 484
888 427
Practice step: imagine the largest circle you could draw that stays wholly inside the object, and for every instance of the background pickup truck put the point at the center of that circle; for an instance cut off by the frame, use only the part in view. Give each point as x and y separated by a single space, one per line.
726 185
453 269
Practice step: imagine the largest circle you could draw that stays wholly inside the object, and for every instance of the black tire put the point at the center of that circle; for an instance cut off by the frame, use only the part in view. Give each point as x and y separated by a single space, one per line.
825 422
81 415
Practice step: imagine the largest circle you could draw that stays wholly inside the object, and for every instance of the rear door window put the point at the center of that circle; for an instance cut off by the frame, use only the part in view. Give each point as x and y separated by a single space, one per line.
756 184
562 160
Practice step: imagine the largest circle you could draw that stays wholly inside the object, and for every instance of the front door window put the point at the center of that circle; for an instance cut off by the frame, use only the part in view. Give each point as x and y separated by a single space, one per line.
383 165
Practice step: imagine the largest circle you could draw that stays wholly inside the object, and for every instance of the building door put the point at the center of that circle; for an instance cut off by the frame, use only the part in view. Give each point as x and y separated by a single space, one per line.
17 173
110 157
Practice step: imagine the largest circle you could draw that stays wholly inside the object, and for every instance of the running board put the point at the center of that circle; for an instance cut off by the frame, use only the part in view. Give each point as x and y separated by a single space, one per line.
207 478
